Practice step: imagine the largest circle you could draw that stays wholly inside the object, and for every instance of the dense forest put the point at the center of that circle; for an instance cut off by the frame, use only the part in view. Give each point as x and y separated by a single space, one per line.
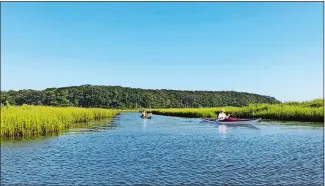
125 97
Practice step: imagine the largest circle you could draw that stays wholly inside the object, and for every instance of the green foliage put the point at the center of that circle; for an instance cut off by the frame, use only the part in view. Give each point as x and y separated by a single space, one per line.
130 98
312 103
309 111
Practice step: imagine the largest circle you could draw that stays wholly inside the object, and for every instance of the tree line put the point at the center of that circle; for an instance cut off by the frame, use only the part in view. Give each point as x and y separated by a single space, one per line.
130 98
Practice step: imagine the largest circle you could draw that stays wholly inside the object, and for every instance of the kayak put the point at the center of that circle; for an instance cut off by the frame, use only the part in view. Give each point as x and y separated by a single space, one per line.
233 121
237 121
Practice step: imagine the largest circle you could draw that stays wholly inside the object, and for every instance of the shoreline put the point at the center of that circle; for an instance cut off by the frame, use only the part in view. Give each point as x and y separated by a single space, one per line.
263 121
281 113
28 121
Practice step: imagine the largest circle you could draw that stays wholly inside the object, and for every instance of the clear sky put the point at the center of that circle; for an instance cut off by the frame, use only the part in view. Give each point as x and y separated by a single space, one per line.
273 49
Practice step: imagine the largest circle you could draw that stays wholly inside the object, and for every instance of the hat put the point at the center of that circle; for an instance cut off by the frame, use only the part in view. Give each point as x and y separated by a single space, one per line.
222 110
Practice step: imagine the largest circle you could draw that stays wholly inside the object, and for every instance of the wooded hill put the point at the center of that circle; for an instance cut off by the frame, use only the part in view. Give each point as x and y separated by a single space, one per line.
125 97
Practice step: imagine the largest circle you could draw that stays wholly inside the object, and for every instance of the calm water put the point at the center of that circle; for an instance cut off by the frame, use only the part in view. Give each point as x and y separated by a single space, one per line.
169 151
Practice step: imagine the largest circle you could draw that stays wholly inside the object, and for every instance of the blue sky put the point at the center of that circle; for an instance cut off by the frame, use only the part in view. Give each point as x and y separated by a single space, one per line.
273 49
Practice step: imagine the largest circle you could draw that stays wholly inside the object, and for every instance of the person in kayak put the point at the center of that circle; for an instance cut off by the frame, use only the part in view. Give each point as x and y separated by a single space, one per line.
222 115
144 113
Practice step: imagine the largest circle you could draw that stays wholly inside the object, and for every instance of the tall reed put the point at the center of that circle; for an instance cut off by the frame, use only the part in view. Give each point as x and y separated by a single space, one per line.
32 121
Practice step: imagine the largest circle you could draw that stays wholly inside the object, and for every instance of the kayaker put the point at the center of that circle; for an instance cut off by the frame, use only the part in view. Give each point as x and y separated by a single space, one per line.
144 113
222 115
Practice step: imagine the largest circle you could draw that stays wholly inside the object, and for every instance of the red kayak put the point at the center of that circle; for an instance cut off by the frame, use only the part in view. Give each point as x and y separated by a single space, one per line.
233 120
230 119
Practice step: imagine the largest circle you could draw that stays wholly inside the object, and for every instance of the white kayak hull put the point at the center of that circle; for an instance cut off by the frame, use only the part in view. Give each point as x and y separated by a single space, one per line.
250 121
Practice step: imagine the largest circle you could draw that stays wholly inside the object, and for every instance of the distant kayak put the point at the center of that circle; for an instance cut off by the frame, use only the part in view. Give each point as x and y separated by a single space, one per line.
233 121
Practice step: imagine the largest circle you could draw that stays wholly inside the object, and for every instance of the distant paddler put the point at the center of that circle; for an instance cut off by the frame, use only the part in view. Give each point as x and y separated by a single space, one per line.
144 114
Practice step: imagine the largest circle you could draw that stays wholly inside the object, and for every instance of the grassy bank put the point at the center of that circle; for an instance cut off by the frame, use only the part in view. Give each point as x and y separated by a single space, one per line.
33 121
309 111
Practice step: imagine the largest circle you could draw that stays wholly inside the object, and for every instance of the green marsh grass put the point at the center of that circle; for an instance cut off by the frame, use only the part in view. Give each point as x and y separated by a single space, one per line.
312 111
33 121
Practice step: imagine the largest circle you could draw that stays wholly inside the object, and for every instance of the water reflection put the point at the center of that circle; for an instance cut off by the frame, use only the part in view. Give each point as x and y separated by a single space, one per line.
144 125
94 126
222 128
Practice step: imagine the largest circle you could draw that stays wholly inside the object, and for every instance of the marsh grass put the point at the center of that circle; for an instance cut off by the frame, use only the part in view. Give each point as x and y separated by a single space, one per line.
32 121
312 111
